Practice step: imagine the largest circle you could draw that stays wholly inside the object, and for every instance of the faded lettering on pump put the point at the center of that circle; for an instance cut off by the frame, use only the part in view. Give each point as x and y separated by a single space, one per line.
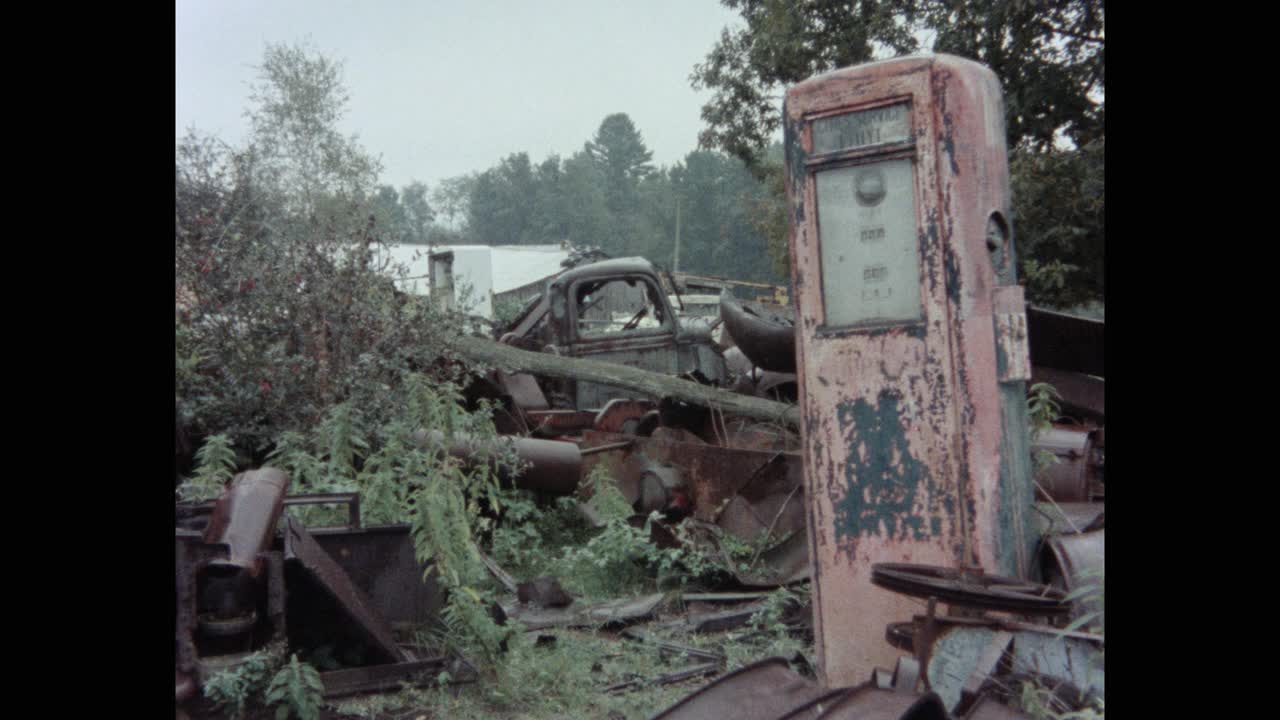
864 128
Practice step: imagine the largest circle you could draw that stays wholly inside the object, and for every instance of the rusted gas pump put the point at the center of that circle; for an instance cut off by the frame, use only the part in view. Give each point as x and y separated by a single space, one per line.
911 339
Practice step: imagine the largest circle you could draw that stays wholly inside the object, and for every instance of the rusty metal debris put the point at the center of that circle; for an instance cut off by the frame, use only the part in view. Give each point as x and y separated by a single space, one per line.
761 691
244 518
723 620
970 588
667 648
725 477
867 702
667 678
747 493
770 690
348 588
309 563
1076 562
1057 518
1078 463
766 338
989 708
963 658
1066 342
550 465
608 613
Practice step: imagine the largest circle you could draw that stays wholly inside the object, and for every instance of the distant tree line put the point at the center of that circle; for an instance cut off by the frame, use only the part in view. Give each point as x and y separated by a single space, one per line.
607 195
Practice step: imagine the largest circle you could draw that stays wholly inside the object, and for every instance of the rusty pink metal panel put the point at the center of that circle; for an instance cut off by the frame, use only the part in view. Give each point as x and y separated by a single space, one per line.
910 428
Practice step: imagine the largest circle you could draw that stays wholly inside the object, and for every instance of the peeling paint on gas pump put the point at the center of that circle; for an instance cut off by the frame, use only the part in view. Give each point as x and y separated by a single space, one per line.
881 474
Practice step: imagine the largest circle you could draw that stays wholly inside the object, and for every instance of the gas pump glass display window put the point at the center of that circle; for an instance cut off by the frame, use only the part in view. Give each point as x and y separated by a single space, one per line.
867 235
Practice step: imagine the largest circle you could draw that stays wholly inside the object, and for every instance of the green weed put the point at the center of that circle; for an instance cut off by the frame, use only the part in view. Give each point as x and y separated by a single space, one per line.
297 690
216 464
233 689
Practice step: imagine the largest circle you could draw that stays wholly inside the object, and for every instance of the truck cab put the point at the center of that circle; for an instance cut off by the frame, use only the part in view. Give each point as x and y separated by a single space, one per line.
617 311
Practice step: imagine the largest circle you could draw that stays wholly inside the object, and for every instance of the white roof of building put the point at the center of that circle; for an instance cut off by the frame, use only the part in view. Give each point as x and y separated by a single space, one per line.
518 265
513 265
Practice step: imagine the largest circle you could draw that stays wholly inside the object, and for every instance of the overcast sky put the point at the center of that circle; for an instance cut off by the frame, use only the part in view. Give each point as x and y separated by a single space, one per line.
445 87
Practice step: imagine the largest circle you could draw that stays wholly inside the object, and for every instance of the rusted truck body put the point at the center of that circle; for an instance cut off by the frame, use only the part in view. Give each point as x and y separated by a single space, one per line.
615 311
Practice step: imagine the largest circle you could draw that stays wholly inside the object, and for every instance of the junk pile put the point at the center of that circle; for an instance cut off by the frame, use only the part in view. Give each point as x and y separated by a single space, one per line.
720 461
248 578
969 662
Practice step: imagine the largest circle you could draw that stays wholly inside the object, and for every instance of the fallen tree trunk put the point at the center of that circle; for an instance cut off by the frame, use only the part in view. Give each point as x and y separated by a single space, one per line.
655 385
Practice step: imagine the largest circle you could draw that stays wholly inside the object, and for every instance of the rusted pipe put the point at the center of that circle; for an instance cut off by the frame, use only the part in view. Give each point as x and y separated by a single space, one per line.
245 516
551 466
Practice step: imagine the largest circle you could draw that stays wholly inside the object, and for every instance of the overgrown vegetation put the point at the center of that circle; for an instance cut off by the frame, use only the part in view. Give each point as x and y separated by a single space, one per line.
1043 407
234 689
293 348
284 303
296 690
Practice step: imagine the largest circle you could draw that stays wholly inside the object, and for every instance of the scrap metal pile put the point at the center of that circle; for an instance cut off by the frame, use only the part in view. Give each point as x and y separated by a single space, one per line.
248 577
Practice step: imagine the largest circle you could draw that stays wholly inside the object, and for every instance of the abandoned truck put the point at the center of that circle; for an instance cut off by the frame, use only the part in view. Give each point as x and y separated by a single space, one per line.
615 311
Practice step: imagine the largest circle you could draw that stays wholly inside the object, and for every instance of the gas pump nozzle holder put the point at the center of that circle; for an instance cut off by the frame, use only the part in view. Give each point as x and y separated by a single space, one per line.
911 339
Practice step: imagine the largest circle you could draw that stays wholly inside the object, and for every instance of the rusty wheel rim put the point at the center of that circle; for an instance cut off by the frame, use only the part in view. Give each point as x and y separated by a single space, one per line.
970 588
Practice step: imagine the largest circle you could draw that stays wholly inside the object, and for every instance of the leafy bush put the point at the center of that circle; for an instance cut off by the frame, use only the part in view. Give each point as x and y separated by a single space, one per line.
285 303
